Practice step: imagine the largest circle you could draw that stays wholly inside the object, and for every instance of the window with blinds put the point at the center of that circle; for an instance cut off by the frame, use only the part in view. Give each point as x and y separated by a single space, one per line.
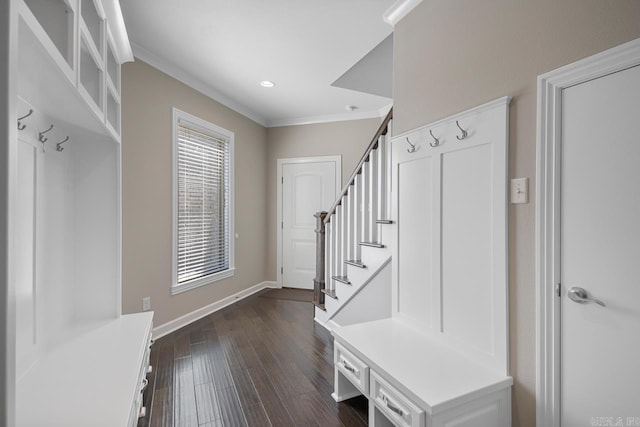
203 195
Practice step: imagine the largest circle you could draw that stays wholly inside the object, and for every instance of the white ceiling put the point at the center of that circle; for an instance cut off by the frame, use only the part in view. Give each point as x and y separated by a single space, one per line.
225 48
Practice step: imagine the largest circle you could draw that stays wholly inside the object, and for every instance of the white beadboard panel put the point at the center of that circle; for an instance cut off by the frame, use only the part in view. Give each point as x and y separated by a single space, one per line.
415 261
467 246
54 246
450 258
25 287
95 210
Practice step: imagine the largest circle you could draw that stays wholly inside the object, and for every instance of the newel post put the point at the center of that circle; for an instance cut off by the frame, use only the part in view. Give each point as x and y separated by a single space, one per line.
318 282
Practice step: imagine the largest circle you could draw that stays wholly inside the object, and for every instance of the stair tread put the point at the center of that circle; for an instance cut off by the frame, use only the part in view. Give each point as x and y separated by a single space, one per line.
330 293
356 263
320 306
372 244
342 279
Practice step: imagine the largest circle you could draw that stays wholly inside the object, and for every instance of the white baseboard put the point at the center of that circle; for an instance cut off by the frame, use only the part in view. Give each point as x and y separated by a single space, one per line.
173 325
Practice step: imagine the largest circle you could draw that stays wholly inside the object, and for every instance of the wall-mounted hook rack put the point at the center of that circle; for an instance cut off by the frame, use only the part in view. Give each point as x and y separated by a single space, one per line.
436 140
413 147
59 146
21 126
464 132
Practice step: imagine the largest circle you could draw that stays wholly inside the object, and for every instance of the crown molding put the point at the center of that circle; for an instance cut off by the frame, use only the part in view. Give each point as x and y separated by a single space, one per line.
399 10
118 30
327 118
187 78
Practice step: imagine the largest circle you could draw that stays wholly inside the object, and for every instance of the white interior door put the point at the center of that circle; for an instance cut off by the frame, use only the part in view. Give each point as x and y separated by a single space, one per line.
600 252
307 188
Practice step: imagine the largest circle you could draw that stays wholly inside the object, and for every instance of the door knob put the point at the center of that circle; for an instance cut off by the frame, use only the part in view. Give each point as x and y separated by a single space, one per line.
581 296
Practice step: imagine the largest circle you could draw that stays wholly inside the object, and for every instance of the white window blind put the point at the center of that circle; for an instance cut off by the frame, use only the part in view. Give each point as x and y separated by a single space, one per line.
203 205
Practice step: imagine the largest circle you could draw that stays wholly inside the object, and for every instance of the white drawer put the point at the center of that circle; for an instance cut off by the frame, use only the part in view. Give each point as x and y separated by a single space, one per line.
394 405
143 382
353 368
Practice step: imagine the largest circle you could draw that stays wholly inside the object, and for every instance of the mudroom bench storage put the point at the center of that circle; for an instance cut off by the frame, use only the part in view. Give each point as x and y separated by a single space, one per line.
414 381
74 358
441 359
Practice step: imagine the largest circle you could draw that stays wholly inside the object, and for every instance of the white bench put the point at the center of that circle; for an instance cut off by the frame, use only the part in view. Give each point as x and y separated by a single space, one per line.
414 381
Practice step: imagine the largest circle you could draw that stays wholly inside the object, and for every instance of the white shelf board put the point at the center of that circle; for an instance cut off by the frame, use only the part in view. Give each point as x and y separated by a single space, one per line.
89 380
434 375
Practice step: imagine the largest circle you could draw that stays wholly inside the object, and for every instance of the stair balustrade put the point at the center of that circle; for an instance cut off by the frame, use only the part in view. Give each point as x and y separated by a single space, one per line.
355 218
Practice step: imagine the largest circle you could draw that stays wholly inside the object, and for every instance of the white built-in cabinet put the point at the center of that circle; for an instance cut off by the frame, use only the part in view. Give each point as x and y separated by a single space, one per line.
77 360
442 358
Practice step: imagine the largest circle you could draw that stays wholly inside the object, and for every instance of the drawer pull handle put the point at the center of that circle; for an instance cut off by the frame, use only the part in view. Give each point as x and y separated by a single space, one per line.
391 406
349 368
145 384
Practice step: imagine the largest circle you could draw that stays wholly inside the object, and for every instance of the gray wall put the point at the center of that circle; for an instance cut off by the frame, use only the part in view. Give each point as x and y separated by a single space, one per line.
148 96
347 138
450 55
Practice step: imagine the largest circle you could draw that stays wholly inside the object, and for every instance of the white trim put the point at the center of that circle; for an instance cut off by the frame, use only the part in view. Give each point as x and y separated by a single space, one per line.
8 195
115 21
280 163
549 122
204 281
187 78
399 10
175 324
176 116
505 100
328 118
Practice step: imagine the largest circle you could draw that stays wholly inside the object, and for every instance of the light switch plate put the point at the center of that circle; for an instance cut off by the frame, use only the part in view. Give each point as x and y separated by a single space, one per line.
519 191
146 304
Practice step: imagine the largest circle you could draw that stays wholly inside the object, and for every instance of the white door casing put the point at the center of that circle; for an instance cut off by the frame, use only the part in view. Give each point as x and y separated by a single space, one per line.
550 307
305 186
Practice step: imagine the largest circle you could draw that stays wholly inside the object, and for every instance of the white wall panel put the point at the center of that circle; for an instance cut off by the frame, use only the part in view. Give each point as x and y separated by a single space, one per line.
415 235
467 246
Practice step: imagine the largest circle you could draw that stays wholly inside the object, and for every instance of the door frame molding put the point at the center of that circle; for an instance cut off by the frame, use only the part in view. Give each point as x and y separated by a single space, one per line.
549 128
337 159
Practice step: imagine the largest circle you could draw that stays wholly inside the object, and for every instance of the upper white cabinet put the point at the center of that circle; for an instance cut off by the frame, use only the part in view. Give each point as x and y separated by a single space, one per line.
92 24
57 20
72 39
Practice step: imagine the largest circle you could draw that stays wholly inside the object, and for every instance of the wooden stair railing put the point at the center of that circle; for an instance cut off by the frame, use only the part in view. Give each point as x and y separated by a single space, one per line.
354 218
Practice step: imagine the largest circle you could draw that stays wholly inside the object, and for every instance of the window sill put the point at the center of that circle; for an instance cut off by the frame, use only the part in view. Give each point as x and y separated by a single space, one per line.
178 289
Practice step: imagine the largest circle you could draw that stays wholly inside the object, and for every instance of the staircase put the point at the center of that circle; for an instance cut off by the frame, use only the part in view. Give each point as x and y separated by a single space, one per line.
352 250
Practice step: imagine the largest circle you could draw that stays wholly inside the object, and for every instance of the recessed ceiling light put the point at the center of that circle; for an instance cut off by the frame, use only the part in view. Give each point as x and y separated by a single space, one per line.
267 83
351 107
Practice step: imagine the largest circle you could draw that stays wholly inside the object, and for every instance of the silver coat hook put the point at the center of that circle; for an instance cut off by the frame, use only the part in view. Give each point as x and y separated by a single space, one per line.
41 136
20 125
436 140
413 146
464 132
59 144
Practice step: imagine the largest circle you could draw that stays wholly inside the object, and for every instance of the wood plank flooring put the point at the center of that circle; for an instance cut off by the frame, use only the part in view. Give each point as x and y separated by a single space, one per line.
260 362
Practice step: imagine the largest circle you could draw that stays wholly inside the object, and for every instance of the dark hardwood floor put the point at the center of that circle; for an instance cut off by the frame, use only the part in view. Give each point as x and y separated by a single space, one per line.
260 362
